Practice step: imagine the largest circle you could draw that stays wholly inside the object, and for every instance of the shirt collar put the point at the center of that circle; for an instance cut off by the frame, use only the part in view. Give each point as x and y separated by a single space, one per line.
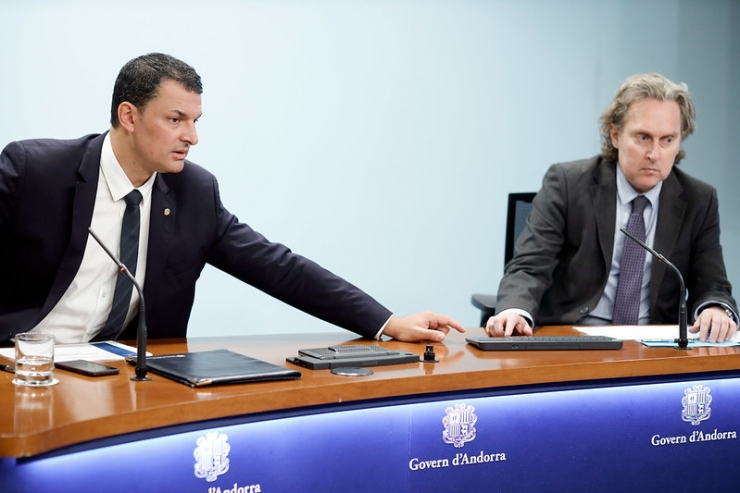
116 179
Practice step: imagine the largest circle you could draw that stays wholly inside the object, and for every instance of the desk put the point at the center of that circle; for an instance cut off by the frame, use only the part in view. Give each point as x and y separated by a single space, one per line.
613 420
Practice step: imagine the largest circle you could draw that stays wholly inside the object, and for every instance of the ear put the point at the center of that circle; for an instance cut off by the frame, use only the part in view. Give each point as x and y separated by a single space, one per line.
614 134
127 115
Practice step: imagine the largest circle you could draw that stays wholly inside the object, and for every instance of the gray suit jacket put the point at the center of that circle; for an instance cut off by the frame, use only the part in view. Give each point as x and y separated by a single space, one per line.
563 256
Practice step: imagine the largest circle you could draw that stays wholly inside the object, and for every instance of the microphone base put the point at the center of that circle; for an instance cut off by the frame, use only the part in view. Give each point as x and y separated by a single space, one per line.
682 345
140 379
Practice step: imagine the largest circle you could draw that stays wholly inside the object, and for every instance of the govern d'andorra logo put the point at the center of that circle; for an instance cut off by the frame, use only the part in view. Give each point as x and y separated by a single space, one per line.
459 428
696 402
696 408
459 424
211 456
212 460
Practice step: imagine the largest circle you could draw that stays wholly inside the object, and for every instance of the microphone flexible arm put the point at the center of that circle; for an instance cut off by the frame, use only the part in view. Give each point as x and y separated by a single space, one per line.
141 369
683 338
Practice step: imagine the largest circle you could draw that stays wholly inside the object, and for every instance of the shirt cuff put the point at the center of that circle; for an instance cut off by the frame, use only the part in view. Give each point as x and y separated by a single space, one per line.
730 311
380 332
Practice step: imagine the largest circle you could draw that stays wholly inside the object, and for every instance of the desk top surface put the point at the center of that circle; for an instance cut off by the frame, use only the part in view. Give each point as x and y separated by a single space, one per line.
80 408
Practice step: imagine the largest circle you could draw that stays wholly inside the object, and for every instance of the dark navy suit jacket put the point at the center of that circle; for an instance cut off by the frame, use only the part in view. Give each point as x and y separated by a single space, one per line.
47 195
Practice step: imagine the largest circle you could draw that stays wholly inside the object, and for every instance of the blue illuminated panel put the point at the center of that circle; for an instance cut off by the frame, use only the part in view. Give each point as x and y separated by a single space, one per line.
678 436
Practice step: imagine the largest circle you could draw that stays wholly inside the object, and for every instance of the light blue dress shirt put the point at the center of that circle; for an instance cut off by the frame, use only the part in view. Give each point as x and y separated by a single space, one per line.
602 314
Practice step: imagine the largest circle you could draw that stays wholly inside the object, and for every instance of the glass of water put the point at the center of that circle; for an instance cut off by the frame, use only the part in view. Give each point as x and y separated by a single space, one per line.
34 360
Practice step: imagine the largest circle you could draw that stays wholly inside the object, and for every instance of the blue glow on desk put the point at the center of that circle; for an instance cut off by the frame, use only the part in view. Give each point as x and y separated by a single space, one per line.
676 436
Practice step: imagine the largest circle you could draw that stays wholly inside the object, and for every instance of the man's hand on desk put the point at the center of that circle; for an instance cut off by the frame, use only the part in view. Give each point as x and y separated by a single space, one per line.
424 326
507 323
713 321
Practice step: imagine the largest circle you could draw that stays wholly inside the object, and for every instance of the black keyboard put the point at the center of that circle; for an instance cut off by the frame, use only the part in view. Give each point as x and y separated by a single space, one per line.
549 343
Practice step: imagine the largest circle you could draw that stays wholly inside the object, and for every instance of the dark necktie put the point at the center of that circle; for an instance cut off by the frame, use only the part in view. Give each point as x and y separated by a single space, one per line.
128 256
627 301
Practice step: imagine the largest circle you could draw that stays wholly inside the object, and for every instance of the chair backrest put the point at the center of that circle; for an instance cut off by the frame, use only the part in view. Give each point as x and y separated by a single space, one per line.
520 205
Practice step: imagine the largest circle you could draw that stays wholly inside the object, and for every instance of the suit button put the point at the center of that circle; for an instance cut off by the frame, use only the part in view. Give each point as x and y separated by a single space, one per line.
584 310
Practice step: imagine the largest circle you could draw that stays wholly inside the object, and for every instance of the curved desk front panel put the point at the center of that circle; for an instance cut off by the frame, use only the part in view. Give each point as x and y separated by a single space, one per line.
675 431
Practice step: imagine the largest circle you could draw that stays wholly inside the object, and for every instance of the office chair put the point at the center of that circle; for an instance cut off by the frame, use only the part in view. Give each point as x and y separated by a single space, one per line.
517 210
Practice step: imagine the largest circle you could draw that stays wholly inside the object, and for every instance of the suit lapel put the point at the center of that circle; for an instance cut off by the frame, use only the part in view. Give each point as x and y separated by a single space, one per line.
82 211
603 198
161 231
671 213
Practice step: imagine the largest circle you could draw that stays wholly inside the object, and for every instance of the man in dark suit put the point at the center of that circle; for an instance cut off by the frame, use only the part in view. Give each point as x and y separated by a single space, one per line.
55 278
568 260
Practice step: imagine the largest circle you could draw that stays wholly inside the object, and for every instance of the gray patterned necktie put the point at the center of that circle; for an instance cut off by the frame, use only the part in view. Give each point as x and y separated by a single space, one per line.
627 301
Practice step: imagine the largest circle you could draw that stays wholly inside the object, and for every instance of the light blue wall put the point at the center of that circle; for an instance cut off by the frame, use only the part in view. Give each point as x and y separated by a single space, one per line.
380 138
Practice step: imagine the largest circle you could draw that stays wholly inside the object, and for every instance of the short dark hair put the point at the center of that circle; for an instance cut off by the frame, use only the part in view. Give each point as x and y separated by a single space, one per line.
139 79
637 88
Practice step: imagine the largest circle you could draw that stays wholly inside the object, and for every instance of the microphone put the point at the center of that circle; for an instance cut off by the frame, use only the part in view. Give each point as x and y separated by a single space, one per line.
683 338
141 369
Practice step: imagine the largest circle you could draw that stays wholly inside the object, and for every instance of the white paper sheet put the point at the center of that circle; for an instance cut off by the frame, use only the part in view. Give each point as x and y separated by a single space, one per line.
98 351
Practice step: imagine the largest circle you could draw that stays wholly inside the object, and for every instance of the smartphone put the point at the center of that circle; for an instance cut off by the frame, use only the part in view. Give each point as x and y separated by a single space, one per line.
87 368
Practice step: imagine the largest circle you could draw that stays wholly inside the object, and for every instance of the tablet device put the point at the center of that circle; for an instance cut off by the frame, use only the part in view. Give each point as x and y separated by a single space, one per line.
358 355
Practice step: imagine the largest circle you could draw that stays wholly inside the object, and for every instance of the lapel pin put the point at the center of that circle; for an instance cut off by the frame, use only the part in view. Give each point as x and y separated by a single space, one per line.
167 211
